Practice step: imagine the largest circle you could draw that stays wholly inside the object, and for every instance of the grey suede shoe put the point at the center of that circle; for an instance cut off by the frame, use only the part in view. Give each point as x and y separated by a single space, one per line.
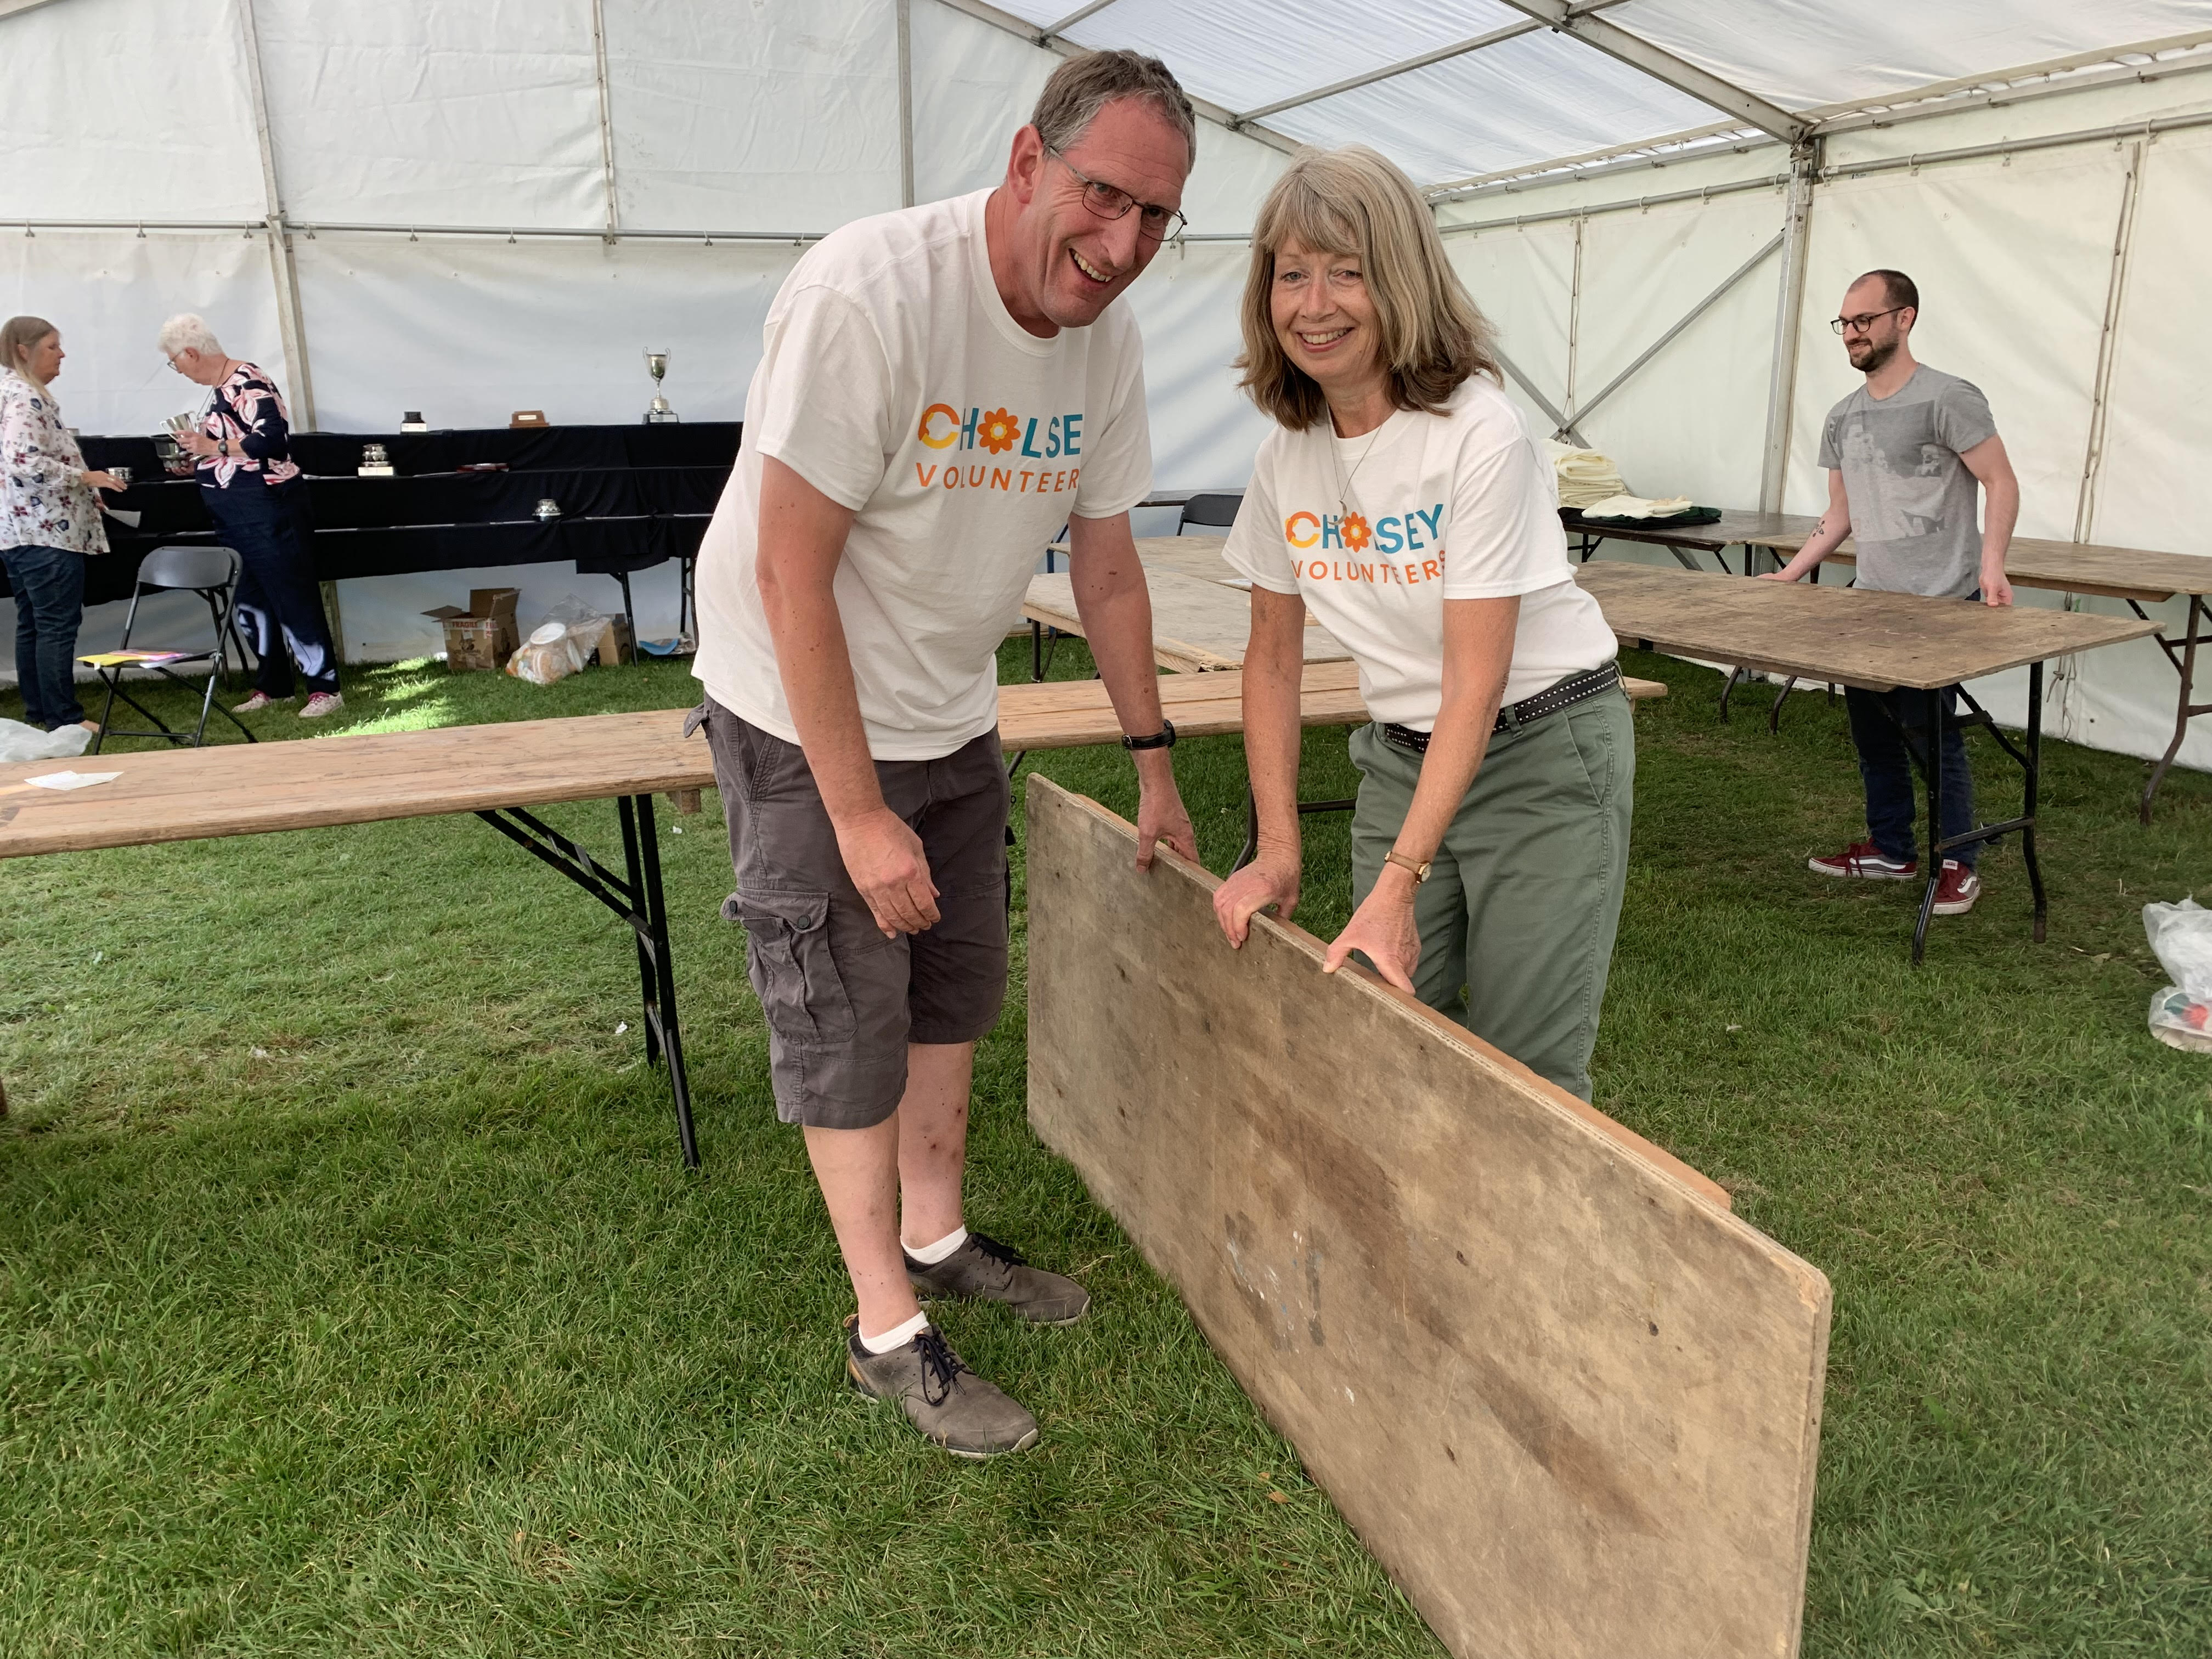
940 1396
991 1272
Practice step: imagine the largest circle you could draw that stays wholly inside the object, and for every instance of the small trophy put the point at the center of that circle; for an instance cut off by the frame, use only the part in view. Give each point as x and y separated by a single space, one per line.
412 421
548 509
375 462
656 364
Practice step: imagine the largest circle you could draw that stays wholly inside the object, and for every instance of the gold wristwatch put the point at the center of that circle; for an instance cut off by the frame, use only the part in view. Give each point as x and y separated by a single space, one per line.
1419 871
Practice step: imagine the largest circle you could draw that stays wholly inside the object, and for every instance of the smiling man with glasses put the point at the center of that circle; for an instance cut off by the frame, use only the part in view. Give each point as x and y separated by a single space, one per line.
1906 453
940 389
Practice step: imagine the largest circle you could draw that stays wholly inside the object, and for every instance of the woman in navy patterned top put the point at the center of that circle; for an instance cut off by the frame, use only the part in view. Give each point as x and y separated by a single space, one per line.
254 493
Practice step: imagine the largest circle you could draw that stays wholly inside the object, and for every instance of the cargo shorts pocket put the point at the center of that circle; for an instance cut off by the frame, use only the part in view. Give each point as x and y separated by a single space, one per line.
793 971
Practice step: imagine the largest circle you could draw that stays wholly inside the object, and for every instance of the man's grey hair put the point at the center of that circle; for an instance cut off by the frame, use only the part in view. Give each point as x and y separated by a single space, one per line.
187 331
1083 85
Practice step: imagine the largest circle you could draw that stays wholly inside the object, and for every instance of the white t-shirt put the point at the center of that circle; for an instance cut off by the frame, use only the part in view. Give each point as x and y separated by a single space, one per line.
895 382
1471 480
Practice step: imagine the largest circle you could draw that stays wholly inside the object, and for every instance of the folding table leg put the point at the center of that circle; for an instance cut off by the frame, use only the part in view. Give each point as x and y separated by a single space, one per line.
637 898
2199 612
2031 792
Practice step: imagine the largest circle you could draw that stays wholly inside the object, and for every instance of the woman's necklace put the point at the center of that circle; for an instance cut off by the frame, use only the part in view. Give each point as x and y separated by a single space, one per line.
1343 478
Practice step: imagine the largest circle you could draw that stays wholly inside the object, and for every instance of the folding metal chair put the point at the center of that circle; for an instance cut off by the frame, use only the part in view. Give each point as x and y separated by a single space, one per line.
1214 512
212 572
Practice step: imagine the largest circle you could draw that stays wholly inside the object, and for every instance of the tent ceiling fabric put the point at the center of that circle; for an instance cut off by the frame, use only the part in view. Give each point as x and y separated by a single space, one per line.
1539 95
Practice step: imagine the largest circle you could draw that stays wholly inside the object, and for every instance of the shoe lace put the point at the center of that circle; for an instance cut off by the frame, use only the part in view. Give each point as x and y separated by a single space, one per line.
1004 1255
939 1365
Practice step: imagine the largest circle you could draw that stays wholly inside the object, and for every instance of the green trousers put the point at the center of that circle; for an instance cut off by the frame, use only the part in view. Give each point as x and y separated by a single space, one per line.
1522 907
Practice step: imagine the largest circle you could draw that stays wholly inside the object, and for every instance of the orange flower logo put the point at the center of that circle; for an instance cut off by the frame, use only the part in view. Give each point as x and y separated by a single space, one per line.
1355 532
999 431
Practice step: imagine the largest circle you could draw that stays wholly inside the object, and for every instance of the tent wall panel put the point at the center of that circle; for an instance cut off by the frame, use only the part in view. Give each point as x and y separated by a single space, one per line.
1693 421
415 112
108 293
1204 432
469 330
2157 435
2024 329
116 110
1523 280
972 86
702 99
383 620
1803 52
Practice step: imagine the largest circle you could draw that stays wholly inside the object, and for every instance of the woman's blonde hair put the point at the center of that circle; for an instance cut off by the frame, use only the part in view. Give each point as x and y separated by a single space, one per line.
1353 201
17 336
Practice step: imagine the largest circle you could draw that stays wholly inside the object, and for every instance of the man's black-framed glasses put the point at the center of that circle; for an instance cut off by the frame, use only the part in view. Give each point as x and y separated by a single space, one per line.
1862 324
1106 201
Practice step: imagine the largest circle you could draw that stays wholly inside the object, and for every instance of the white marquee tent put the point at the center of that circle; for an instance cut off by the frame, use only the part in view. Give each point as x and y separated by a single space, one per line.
472 208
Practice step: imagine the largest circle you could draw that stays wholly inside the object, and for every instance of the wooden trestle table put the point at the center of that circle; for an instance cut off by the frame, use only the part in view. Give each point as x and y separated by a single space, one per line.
2136 576
1872 641
500 772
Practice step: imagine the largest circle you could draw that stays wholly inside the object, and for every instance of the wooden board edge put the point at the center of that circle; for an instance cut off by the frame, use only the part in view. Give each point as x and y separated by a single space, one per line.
1586 1118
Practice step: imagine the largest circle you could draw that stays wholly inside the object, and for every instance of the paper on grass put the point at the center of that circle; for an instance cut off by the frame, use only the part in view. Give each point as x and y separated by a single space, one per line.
73 780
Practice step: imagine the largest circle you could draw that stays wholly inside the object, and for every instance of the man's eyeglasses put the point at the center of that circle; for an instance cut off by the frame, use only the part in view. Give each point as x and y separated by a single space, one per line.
1861 324
1111 202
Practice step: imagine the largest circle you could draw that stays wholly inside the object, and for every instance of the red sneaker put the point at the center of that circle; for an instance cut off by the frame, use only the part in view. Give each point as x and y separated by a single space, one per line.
1861 859
1956 888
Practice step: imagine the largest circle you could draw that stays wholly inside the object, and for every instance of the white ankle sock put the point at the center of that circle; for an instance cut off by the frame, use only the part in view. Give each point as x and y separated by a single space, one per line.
930 1254
897 1337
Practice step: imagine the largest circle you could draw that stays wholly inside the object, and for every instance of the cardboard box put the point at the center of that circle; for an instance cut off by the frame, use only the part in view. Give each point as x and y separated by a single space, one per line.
483 636
614 643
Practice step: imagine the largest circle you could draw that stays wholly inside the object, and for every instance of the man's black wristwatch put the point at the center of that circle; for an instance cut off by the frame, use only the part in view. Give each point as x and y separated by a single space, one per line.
1163 739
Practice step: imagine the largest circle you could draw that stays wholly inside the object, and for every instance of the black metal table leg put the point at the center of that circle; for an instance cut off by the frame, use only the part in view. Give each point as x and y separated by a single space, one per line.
1252 822
2031 791
2185 665
637 898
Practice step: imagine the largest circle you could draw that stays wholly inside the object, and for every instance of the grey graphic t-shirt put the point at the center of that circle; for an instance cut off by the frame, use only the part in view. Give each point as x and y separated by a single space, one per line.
1914 505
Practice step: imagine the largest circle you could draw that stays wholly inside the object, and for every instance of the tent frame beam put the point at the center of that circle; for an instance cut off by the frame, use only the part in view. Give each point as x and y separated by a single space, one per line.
1929 103
283 268
1788 327
606 115
1688 316
1407 66
983 12
1663 66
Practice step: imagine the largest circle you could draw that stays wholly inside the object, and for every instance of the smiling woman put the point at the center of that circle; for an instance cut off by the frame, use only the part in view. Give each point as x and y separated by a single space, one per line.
1403 498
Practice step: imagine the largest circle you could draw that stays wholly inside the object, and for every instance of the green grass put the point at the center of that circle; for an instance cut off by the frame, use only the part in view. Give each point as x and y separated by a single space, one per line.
352 1298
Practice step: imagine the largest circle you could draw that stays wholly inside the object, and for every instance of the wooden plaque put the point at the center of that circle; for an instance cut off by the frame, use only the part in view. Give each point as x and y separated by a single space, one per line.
1571 1402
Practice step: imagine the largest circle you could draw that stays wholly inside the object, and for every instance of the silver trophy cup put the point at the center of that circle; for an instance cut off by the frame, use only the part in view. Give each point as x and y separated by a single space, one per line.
656 364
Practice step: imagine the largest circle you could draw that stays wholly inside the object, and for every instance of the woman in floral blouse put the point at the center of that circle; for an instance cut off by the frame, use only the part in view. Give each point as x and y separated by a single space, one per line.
49 520
255 493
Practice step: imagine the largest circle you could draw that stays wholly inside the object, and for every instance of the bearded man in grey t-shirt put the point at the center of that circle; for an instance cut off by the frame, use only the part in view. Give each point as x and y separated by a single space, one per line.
1906 454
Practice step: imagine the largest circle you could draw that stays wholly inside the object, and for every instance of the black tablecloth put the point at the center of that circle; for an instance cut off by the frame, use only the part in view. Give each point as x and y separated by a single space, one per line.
630 497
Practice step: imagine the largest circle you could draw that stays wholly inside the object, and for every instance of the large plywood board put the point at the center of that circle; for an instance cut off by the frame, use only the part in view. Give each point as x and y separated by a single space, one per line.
1568 1399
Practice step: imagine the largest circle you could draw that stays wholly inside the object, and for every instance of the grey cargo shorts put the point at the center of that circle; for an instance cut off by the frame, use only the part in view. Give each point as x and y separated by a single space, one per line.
842 1001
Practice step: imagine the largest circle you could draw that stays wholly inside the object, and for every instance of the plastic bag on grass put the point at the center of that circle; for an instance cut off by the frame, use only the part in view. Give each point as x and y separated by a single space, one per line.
19 742
2181 937
551 652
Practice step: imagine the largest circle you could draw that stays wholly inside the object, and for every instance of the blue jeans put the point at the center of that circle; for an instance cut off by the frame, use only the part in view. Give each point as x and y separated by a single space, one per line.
280 609
1885 767
49 586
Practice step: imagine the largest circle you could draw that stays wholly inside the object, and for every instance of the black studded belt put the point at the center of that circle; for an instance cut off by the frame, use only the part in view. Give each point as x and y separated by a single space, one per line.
1550 701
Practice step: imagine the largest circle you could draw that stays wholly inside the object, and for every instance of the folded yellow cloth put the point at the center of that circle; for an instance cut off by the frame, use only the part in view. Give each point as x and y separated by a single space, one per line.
1636 507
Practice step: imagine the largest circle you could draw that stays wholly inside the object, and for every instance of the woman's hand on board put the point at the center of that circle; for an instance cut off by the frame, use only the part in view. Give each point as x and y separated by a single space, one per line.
1383 927
1268 880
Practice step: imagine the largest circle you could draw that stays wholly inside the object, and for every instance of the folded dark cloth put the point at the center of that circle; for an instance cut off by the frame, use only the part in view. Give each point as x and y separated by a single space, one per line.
1688 516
